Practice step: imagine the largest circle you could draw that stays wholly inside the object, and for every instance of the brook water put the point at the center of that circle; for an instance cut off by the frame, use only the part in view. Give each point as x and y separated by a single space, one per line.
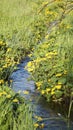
53 120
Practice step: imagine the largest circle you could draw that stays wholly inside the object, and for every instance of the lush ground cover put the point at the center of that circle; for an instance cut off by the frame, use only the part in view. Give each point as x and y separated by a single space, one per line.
52 59
14 33
45 29
14 45
15 114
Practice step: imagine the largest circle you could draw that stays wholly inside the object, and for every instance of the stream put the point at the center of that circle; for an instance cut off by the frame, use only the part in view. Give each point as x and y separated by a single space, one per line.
52 120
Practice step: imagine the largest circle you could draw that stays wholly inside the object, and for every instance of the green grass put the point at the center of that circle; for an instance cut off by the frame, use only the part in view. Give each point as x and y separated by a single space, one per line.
15 28
15 114
52 60
15 19
23 25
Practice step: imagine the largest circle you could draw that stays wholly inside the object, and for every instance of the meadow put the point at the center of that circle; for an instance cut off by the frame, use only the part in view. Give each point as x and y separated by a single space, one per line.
14 46
44 32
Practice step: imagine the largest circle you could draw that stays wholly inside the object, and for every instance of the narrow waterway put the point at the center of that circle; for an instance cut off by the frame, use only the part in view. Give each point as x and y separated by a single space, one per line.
52 120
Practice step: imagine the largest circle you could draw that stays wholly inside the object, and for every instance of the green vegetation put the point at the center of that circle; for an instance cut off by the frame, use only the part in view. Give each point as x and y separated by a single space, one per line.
14 46
14 112
15 18
44 30
52 58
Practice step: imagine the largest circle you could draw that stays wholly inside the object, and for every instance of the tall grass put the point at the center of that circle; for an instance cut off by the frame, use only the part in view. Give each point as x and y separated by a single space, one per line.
15 19
15 114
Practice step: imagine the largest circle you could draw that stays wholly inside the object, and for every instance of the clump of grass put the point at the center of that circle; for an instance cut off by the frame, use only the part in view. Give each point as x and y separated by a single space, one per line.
15 113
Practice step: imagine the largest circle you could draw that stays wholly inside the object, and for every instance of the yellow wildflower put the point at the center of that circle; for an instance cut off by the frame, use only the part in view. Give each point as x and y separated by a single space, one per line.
58 75
1 94
53 88
49 80
5 66
52 93
42 92
48 90
58 86
26 92
1 81
36 116
51 53
30 55
42 125
36 125
9 49
39 118
4 93
8 96
15 100
59 83
65 72
38 84
30 69
49 57
1 42
55 53
47 36
47 54
29 64
38 88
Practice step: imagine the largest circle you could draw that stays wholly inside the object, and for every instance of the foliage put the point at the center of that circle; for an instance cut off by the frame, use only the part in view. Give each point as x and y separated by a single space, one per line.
14 34
14 45
8 60
45 30
52 58
15 113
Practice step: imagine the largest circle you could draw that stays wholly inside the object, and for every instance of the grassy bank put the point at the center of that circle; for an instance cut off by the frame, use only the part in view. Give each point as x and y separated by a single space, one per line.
52 58
15 18
15 113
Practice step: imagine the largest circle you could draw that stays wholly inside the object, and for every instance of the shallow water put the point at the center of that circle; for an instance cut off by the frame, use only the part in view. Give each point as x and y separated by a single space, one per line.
52 120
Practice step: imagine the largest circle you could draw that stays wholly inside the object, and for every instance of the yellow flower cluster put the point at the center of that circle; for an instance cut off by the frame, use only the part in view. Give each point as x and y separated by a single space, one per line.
42 125
9 49
50 54
4 93
2 43
1 81
32 64
7 61
15 100
39 84
38 118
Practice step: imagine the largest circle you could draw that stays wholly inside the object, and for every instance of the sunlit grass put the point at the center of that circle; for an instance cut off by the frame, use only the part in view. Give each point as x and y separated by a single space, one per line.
15 114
